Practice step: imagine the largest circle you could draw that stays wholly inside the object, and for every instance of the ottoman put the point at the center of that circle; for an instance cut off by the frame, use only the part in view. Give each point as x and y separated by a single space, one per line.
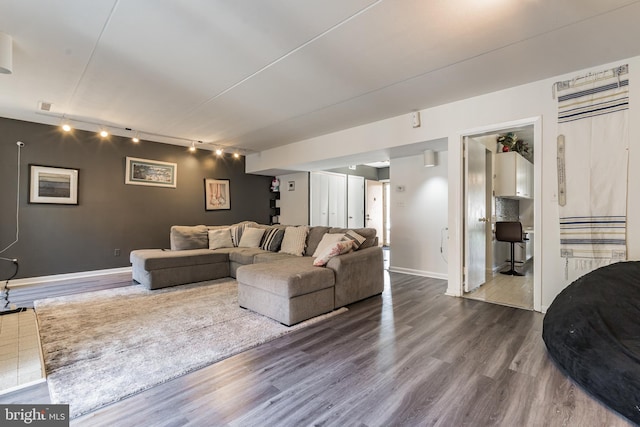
157 268
288 291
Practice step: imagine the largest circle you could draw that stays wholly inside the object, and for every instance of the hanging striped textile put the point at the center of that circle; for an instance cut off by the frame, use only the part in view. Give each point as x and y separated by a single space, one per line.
592 169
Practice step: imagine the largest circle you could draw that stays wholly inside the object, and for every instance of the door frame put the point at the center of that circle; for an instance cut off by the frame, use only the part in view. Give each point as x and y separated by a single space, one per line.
457 204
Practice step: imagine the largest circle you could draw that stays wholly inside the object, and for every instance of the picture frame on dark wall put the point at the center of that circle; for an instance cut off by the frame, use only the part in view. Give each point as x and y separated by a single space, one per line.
53 185
216 194
153 173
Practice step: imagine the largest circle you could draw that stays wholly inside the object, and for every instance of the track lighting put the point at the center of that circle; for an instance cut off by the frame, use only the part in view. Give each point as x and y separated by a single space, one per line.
429 158
218 152
135 138
193 147
236 155
66 127
104 133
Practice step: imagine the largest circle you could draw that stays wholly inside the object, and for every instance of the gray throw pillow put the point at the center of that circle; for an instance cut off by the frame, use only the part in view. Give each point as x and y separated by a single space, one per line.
189 237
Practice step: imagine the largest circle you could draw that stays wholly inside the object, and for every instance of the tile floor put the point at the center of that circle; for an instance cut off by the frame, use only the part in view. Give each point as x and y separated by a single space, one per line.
20 356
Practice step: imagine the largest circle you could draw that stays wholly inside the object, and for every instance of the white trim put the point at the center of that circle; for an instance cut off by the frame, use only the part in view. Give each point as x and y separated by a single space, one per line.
456 205
413 272
68 276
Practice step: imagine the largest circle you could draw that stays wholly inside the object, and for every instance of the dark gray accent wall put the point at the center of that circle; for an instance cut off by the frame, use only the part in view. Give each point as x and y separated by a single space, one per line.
111 215
383 173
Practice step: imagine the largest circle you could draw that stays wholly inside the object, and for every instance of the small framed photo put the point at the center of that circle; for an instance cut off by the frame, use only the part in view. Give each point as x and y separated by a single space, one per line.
216 194
53 185
153 173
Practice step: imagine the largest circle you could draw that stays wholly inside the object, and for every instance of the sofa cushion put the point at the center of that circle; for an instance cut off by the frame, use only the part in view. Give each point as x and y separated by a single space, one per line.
357 239
287 278
156 259
272 239
268 256
189 237
368 233
220 238
237 229
314 237
251 237
294 240
338 248
329 239
244 255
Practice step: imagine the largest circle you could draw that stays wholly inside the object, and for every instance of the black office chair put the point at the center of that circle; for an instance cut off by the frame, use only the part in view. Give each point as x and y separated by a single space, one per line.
510 231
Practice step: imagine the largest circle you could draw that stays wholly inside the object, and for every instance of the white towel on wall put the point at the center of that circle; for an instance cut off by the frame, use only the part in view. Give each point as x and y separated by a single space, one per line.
593 118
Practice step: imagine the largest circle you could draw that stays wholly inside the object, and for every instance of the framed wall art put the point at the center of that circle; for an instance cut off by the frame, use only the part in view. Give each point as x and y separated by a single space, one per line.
216 194
53 185
151 172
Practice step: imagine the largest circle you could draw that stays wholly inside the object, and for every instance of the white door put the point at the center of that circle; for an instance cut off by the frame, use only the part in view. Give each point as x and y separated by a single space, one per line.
374 208
319 199
476 221
337 200
355 201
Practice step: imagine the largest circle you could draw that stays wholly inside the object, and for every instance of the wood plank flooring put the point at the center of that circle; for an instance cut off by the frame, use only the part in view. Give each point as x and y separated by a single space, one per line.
410 357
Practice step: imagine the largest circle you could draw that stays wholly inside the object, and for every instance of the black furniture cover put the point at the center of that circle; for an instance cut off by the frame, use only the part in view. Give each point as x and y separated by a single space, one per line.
592 332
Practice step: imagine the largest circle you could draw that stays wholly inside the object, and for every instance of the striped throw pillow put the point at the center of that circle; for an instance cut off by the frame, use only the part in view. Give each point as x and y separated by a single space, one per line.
357 239
272 239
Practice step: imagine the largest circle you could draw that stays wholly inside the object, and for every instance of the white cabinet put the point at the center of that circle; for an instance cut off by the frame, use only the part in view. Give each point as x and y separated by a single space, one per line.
513 176
327 199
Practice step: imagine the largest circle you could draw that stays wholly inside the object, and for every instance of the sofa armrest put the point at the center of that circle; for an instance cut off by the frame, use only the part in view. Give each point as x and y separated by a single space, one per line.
359 275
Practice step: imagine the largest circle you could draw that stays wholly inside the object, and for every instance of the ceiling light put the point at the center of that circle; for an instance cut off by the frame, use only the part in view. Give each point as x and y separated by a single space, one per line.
218 151
66 127
193 147
135 138
236 155
6 54
104 133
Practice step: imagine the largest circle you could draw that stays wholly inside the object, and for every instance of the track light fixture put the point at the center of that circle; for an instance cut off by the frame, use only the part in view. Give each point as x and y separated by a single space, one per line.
135 138
236 155
219 152
193 147
66 127
104 133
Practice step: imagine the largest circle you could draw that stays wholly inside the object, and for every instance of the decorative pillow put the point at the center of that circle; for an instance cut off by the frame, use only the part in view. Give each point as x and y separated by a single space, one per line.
251 237
220 238
294 240
236 233
331 251
272 239
188 237
327 240
357 239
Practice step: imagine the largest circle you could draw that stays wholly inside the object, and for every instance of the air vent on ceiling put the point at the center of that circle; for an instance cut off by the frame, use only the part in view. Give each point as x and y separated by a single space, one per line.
45 106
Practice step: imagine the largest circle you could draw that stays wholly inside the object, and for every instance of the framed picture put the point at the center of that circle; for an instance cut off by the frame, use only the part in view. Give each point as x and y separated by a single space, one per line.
216 194
54 185
151 172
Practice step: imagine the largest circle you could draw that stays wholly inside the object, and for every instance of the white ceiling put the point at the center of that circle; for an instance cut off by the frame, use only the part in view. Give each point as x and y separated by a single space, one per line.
257 74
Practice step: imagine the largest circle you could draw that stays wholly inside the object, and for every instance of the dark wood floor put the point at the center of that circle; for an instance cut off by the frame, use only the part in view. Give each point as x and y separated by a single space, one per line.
410 357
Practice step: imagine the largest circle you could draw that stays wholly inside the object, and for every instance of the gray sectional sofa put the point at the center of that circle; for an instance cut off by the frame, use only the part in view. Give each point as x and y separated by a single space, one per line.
285 287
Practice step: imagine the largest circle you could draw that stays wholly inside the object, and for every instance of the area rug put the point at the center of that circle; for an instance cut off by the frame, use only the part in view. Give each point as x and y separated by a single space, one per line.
101 347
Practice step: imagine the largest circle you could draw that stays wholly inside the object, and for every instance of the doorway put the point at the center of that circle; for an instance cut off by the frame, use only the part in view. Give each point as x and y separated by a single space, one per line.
485 202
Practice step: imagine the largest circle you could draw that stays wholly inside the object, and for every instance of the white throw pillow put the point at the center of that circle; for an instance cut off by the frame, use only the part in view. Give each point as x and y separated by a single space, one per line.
220 238
327 240
294 240
338 248
251 237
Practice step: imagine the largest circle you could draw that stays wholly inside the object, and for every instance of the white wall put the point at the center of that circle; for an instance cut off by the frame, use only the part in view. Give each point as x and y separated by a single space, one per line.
418 216
294 205
452 120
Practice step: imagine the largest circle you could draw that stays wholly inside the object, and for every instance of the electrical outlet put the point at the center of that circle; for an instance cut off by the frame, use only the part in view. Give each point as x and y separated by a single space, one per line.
116 252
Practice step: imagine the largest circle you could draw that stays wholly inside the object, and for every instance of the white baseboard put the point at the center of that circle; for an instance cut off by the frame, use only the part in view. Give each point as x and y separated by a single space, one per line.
422 273
67 276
